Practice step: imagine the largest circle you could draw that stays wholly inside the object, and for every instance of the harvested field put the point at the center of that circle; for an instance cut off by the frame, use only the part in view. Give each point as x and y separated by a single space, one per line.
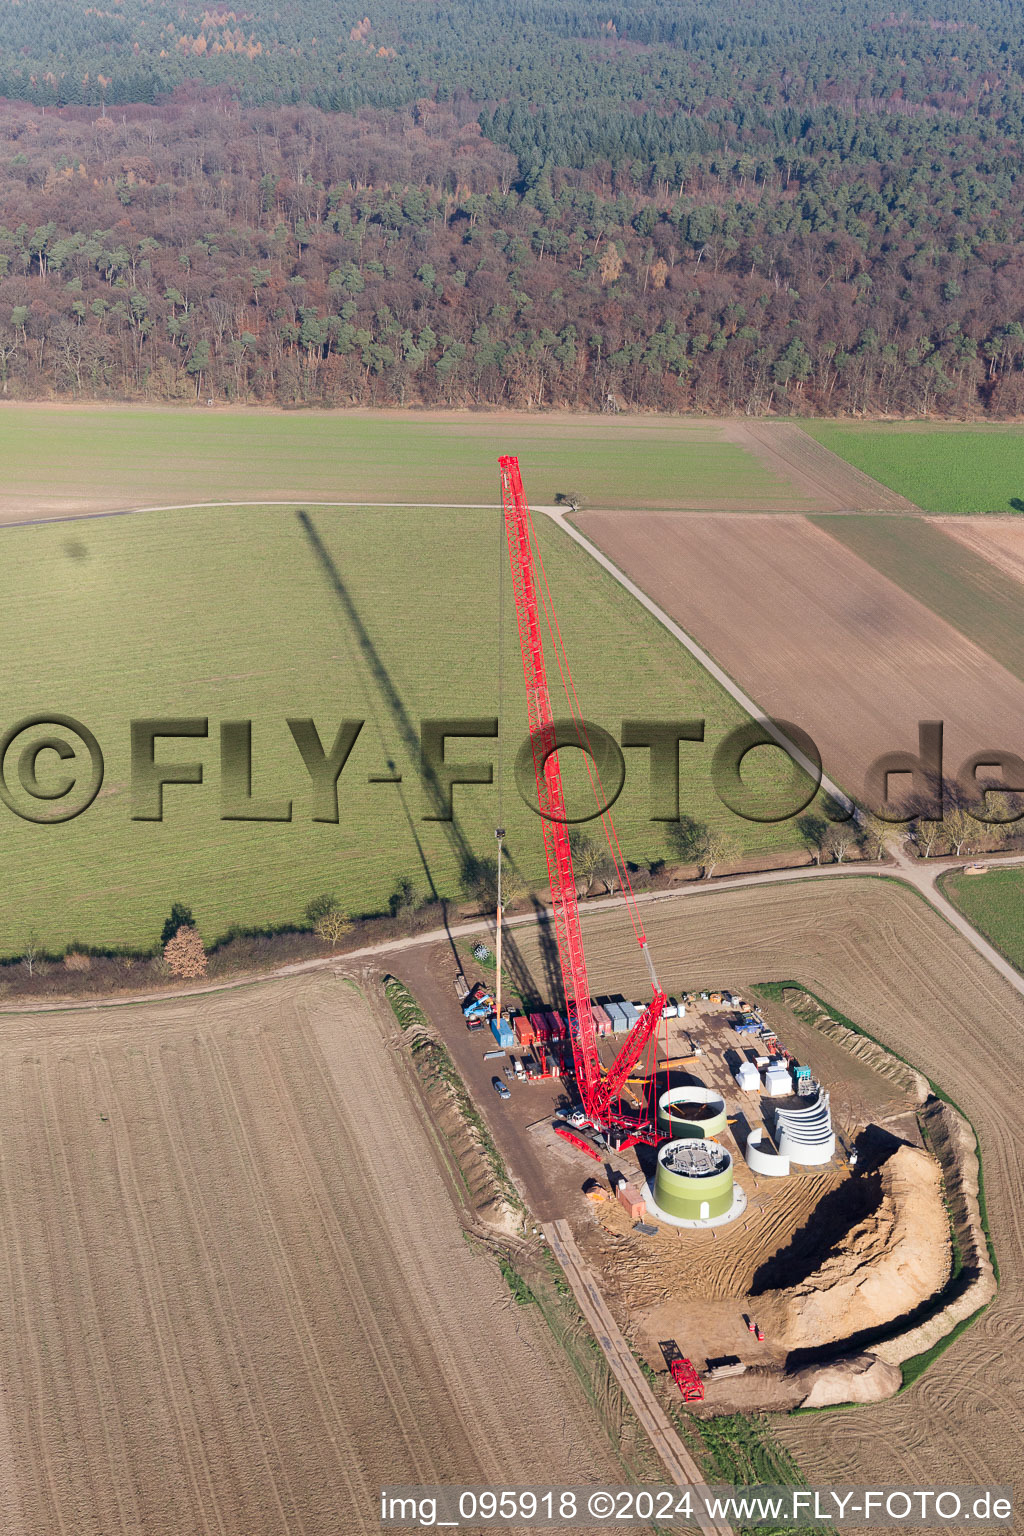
817 636
66 460
235 1295
883 958
999 540
829 482
951 577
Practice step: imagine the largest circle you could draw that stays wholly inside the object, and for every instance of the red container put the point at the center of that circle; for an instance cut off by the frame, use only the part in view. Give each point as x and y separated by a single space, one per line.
602 1023
537 1025
524 1031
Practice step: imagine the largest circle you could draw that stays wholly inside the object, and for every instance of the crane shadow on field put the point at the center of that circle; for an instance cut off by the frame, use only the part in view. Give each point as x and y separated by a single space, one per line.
379 686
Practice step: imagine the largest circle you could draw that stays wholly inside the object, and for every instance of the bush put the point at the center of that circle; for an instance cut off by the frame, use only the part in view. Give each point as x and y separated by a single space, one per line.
185 955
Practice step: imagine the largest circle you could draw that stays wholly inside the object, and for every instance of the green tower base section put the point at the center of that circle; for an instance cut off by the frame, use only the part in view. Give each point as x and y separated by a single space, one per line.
691 1111
693 1180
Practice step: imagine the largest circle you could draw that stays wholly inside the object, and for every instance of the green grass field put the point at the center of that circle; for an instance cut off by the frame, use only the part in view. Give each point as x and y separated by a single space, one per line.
953 471
93 458
968 591
994 903
387 616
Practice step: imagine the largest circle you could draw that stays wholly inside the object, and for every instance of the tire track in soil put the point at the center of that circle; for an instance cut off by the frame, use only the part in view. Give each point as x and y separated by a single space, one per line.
480 1419
85 1248
406 1411
841 487
289 1287
167 1227
201 1178
62 1305
205 1379
235 1298
157 1303
37 1466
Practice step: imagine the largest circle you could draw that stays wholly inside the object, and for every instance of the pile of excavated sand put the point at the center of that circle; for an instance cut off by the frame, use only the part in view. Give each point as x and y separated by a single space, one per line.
885 1266
857 1379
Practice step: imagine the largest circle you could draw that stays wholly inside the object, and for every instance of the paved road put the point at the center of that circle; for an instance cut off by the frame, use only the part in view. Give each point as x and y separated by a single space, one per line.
920 876
680 1465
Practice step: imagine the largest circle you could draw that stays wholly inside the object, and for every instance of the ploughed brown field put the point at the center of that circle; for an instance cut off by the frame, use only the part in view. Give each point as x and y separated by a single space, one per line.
876 952
234 1294
817 636
999 539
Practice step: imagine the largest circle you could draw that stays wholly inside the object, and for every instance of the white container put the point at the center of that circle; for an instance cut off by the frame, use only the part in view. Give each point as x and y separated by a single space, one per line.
778 1083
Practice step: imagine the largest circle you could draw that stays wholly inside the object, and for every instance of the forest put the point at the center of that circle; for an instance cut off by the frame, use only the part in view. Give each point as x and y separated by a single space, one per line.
758 205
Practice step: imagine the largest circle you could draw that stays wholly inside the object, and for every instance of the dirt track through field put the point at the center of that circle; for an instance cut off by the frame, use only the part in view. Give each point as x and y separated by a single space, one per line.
817 636
234 1295
879 955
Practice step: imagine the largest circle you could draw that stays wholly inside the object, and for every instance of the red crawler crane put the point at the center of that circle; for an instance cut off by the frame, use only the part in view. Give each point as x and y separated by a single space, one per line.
600 1091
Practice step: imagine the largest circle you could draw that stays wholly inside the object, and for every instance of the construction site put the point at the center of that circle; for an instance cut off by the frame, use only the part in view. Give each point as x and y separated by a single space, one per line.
766 1196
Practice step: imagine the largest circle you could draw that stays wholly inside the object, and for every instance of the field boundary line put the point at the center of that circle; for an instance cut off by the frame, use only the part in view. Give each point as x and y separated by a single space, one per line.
294 501
679 1463
700 655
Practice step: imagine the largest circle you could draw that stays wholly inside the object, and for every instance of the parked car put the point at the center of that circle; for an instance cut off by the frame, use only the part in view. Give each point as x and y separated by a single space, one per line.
499 1088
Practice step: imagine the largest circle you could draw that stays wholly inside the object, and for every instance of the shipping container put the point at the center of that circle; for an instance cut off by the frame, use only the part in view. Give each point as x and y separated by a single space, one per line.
614 1011
602 1021
524 1030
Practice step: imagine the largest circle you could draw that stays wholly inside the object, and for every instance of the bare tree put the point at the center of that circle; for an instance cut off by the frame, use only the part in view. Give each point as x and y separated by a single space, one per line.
961 830
839 840
718 848
588 860
814 832
877 835
30 953
513 888
332 926
926 834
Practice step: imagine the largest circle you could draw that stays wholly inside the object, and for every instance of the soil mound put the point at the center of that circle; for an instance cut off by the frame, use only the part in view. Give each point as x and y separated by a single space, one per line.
889 1262
856 1379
